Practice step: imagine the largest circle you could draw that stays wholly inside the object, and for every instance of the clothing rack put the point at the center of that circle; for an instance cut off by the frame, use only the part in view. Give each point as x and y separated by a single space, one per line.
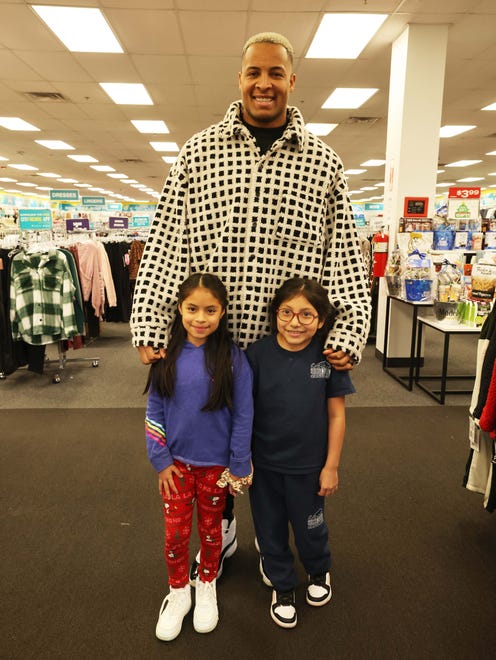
42 240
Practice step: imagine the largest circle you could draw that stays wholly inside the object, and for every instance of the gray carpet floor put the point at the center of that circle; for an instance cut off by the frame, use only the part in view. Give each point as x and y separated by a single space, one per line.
83 574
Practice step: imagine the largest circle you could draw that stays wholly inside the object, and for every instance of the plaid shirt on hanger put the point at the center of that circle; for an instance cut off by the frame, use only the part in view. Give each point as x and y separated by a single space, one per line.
42 298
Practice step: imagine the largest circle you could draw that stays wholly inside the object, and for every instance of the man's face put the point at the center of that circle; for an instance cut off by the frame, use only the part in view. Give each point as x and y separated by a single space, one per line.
265 81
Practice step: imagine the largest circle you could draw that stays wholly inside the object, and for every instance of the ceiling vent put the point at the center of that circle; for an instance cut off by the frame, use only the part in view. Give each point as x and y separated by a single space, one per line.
131 161
363 121
46 96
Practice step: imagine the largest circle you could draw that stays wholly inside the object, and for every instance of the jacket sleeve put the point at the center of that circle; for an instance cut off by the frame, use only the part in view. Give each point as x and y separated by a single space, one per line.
155 433
240 454
164 265
344 274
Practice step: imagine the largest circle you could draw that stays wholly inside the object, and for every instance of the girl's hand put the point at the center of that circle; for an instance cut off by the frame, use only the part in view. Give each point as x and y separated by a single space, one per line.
328 481
338 360
166 483
232 489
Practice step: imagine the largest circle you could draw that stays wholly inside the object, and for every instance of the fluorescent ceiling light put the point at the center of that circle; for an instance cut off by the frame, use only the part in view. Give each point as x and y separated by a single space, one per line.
17 124
80 29
3 158
169 159
470 179
150 126
373 162
354 171
82 185
491 106
117 175
491 153
6 179
450 131
48 175
369 188
127 93
64 180
20 166
54 144
128 181
43 188
488 174
165 146
83 158
321 129
349 97
445 185
463 163
102 168
344 36
27 185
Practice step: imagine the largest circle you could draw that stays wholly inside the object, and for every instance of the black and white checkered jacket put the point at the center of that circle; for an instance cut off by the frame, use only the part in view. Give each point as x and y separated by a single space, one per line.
254 221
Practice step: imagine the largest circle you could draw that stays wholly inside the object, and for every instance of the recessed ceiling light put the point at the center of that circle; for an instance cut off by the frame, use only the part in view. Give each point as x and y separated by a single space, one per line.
54 144
348 97
344 36
102 168
127 93
373 162
83 158
80 29
463 163
354 171
320 129
17 124
165 146
491 106
20 166
169 159
450 131
150 126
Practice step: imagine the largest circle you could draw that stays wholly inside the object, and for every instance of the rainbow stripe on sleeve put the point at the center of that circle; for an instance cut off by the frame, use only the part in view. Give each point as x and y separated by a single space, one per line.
155 432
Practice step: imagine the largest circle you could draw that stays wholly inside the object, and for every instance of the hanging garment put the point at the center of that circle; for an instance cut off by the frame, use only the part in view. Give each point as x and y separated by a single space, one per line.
42 298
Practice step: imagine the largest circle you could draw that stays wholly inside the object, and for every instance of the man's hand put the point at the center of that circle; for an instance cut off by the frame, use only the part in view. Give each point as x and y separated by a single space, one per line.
149 355
339 360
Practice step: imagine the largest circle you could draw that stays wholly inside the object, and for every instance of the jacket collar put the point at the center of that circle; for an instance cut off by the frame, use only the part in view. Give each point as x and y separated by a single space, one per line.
232 125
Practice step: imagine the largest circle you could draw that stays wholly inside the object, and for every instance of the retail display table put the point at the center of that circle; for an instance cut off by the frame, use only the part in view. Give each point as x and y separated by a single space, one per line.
447 329
406 379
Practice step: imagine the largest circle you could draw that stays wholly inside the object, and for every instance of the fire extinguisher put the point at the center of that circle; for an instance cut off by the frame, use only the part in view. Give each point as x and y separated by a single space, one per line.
380 242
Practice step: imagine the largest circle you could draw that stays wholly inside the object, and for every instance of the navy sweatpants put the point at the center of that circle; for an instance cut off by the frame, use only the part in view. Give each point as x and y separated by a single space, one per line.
278 500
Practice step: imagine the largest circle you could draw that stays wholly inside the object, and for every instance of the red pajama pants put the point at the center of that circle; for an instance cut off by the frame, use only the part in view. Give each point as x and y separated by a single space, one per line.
196 484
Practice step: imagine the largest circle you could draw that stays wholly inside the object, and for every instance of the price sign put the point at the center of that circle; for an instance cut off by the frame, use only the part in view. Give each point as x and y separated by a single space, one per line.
464 193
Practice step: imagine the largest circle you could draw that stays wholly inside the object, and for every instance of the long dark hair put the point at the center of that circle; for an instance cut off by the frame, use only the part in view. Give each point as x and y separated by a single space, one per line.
218 348
316 295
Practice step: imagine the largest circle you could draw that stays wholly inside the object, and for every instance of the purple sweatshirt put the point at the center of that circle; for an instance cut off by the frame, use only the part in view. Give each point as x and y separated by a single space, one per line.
177 428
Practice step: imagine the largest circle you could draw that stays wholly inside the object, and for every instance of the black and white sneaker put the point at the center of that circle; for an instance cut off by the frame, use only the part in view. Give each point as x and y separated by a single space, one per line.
319 590
229 547
283 608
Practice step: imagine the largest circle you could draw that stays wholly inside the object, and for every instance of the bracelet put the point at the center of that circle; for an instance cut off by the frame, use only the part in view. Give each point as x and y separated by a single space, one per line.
226 479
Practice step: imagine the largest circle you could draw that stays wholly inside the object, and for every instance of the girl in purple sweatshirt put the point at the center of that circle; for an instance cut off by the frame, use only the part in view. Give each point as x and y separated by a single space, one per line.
198 433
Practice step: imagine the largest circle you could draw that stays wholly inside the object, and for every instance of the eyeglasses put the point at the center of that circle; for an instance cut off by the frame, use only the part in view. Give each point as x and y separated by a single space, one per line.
287 315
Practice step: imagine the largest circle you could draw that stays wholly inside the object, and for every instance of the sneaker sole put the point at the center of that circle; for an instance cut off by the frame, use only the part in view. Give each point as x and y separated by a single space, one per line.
168 637
265 579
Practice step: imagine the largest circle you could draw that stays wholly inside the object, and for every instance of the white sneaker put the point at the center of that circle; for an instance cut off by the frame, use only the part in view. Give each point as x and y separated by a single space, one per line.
319 590
206 614
174 608
283 608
